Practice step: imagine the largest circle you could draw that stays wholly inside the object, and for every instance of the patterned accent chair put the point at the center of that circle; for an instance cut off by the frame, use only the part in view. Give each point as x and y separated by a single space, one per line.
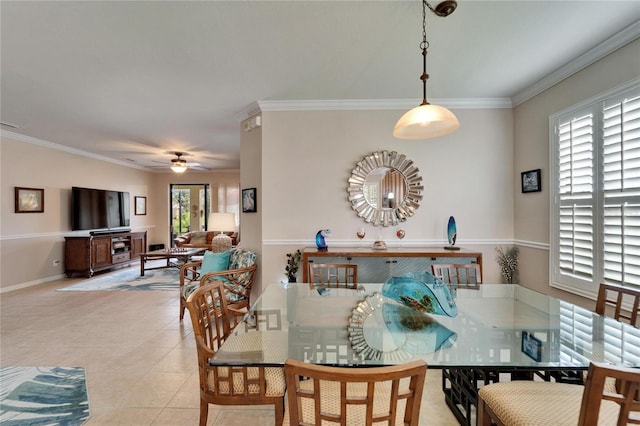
238 279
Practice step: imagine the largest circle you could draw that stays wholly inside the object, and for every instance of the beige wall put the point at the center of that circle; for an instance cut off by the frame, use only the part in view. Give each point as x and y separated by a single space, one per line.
531 145
307 157
30 242
251 177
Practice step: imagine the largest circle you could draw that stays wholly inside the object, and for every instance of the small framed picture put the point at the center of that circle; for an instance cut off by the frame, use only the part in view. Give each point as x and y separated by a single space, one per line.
141 205
531 346
531 181
29 200
249 201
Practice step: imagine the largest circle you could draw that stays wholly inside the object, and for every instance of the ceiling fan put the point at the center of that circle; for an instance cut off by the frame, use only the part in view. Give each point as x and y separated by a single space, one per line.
179 165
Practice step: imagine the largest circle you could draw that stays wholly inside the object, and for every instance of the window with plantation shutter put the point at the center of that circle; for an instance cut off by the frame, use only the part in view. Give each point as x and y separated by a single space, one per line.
595 192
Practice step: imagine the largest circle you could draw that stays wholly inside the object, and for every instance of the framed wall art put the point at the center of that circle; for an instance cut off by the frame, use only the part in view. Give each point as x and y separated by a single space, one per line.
140 205
531 346
531 181
29 200
249 201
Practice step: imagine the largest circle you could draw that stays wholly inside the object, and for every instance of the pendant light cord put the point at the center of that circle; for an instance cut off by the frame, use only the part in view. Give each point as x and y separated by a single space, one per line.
424 45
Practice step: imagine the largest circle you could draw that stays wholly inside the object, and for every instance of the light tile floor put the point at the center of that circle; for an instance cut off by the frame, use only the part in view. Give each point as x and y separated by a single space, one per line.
140 360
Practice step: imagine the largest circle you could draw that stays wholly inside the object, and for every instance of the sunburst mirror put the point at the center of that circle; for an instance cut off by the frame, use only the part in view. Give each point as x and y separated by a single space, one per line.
385 188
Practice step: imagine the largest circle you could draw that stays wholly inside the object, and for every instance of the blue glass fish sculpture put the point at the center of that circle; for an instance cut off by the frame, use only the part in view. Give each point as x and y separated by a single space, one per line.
320 242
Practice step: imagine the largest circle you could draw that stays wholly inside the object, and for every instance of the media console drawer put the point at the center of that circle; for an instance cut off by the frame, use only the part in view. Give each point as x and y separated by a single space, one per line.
120 257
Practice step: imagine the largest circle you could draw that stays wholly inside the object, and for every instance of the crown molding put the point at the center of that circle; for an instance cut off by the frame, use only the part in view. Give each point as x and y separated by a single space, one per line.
58 147
381 104
624 37
247 112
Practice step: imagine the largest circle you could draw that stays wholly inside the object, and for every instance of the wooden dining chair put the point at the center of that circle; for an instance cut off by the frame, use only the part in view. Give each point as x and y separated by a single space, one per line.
551 403
461 275
613 297
342 275
237 385
360 396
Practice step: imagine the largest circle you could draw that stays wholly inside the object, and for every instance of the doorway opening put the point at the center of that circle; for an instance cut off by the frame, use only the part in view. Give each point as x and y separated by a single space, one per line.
190 208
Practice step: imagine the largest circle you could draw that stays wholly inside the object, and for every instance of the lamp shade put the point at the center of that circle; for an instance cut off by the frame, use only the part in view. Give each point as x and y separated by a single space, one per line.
221 222
426 121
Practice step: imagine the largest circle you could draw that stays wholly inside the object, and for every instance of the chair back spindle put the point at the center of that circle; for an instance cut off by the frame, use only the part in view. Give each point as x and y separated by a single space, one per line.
623 301
340 275
458 275
362 396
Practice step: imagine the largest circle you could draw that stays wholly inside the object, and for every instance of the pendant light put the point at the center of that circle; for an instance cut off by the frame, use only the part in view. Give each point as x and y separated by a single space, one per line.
426 120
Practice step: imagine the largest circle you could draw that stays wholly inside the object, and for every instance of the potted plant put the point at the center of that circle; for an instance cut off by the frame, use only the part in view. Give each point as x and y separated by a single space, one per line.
293 263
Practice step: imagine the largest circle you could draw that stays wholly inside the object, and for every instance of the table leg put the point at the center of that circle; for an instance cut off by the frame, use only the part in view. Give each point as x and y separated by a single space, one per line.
461 394
142 260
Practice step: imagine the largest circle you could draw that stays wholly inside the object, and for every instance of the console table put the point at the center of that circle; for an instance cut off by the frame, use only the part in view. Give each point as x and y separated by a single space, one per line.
376 266
90 254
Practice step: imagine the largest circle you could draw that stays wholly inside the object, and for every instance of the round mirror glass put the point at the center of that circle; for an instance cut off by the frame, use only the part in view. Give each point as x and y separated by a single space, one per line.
385 188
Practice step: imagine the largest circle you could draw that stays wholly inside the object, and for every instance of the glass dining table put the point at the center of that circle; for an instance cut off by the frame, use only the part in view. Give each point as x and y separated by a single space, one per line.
498 329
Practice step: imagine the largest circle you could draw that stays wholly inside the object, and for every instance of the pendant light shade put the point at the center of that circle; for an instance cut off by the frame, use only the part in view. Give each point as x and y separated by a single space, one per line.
427 121
424 122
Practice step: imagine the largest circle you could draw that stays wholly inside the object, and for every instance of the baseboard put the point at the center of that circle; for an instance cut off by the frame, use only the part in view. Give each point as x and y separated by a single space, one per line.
31 283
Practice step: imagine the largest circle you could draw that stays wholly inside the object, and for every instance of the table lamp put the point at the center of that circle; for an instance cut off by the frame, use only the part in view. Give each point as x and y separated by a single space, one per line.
221 222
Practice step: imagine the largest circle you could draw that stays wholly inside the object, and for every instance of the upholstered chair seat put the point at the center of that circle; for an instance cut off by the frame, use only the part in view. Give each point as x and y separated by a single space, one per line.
524 403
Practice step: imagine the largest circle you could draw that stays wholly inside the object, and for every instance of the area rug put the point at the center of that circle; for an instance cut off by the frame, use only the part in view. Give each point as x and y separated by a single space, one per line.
130 280
43 396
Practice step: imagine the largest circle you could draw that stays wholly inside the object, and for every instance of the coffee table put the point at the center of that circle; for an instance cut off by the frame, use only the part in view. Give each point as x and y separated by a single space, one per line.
181 256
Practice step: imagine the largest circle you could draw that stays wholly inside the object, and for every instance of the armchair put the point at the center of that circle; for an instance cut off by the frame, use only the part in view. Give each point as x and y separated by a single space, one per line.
238 279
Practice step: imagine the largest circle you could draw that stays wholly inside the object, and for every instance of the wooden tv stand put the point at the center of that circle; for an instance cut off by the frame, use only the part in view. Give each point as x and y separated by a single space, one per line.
89 254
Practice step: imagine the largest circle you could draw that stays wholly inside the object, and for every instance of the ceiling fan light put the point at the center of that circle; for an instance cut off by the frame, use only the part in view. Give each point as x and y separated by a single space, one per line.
179 166
426 121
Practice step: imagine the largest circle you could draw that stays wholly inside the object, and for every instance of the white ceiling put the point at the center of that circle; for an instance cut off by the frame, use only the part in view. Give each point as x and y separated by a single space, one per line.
133 81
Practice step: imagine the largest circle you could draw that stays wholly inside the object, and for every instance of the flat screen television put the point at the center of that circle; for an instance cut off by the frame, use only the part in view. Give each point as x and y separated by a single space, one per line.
98 209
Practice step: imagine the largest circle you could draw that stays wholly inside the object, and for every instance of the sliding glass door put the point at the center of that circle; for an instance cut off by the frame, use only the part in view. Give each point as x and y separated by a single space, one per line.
190 207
